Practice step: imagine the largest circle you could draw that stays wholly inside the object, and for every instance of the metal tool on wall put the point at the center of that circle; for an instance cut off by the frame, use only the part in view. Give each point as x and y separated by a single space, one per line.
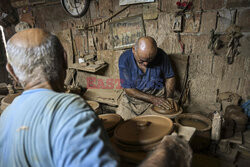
233 45
177 25
234 34
182 45
178 20
215 42
185 89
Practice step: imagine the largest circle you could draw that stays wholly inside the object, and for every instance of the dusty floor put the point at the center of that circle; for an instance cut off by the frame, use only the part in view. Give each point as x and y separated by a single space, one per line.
238 156
205 160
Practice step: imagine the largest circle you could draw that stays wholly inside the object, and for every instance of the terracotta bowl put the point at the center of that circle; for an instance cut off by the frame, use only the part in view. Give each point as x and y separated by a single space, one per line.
198 121
201 139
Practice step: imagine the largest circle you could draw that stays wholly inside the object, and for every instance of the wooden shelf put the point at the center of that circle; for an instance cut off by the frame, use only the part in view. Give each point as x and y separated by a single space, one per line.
90 68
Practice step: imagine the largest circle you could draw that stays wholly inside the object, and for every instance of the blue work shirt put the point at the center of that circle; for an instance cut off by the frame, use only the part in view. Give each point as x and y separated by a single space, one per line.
131 76
43 128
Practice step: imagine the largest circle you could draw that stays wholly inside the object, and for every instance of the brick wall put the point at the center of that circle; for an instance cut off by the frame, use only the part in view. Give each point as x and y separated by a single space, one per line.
208 73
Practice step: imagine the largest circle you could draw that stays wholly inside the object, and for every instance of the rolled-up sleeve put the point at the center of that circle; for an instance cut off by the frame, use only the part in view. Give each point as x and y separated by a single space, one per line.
125 76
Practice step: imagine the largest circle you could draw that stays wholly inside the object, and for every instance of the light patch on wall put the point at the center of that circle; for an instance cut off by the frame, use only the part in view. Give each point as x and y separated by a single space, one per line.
127 2
3 38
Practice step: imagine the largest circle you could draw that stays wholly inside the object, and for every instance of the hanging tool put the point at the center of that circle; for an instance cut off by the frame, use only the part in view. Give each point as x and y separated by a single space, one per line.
233 45
177 25
215 42
234 34
181 43
185 82
186 93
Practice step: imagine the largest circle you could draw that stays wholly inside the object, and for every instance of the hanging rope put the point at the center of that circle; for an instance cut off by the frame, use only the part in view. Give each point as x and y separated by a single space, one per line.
107 19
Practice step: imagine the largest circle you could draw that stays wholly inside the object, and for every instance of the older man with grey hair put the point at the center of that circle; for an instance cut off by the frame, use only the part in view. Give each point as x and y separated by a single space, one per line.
43 127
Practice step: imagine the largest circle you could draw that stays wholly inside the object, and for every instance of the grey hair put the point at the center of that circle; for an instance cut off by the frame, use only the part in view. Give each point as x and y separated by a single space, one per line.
36 63
136 46
171 152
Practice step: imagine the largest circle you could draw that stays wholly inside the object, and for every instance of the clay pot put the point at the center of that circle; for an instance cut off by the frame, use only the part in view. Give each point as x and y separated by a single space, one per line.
95 106
110 121
235 121
135 138
201 138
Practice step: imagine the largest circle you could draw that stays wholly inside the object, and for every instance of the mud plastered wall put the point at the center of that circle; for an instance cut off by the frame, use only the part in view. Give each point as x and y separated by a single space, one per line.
209 74
8 31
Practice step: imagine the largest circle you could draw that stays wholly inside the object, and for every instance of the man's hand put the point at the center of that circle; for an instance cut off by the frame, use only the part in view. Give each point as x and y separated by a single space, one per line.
171 152
157 101
163 103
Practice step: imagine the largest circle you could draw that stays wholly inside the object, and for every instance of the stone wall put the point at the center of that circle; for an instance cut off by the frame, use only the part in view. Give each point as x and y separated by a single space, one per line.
209 74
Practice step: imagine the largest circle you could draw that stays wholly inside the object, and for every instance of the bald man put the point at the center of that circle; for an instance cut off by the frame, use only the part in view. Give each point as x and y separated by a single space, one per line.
43 126
147 77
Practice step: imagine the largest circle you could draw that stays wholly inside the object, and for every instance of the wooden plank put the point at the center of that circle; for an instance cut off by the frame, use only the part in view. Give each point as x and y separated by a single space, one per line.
69 76
91 68
127 2
65 38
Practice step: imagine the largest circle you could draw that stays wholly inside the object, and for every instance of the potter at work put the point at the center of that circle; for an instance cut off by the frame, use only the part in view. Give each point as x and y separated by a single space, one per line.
147 77
59 128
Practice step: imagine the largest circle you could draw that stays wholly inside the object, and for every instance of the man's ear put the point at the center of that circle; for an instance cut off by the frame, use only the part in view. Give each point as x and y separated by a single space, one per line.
11 71
133 50
65 58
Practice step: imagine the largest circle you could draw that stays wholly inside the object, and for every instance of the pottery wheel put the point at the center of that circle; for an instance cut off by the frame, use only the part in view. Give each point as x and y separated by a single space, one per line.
143 130
163 111
166 111
110 120
133 148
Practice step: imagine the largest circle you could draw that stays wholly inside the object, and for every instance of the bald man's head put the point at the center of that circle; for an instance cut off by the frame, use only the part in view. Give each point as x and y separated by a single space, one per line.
29 38
145 42
36 55
145 50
